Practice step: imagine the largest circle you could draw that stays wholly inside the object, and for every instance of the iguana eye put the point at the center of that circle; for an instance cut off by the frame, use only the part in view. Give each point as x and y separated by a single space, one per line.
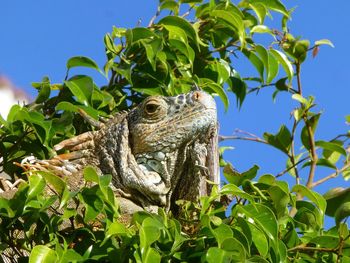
151 107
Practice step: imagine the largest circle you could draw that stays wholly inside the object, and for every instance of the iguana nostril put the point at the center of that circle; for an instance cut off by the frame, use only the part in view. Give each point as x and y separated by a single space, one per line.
196 96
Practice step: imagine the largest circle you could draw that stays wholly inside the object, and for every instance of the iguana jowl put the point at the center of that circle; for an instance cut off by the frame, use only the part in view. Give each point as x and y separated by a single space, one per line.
162 150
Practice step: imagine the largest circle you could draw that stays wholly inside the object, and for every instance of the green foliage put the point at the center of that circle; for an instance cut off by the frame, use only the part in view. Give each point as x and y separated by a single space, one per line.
251 219
76 226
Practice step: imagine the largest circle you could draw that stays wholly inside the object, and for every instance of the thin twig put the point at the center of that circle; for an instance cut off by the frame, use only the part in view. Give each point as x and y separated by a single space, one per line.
297 177
225 47
312 150
333 175
234 137
294 165
314 156
303 248
154 17
188 12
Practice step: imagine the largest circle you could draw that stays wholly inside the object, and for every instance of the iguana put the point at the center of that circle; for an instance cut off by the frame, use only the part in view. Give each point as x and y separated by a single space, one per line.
160 151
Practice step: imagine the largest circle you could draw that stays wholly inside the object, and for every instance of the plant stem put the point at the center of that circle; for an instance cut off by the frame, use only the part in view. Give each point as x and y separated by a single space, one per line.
303 248
234 137
298 67
310 132
333 175
292 157
294 165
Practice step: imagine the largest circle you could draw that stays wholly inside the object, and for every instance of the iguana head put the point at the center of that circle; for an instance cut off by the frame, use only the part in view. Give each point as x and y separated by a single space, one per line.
167 134
164 124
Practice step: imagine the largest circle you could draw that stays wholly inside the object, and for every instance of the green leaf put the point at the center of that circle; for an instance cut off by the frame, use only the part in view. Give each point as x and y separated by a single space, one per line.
152 48
235 22
151 256
321 162
69 107
300 49
300 98
324 42
284 61
264 56
215 254
280 200
180 23
44 90
13 112
331 147
222 70
93 203
81 61
259 239
71 255
305 136
148 235
42 254
81 87
123 70
138 33
118 32
256 61
257 259
221 233
347 118
231 189
342 212
261 29
238 87
308 216
274 5
335 197
262 217
326 241
56 182
36 186
260 11
5 208
209 85
282 140
235 247
170 5
116 228
313 196
90 174
236 178
110 46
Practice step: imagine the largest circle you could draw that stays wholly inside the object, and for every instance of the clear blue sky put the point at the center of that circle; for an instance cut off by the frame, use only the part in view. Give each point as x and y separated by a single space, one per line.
37 38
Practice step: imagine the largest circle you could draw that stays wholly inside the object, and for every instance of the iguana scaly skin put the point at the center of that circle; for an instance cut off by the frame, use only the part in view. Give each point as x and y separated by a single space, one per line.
160 151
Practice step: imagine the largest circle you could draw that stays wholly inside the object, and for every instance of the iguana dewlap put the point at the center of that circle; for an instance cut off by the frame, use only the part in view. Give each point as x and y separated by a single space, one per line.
160 151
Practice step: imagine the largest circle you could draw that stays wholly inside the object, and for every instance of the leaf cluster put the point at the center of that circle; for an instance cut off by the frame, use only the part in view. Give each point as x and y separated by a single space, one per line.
251 219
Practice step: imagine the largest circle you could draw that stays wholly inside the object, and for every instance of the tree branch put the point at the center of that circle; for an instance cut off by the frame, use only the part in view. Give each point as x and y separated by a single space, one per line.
234 137
304 248
312 150
249 137
291 167
333 175
154 17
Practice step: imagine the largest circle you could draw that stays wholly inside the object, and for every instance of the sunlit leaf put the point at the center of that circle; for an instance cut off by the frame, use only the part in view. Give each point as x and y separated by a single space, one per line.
284 61
324 42
81 61
342 212
42 254
313 196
